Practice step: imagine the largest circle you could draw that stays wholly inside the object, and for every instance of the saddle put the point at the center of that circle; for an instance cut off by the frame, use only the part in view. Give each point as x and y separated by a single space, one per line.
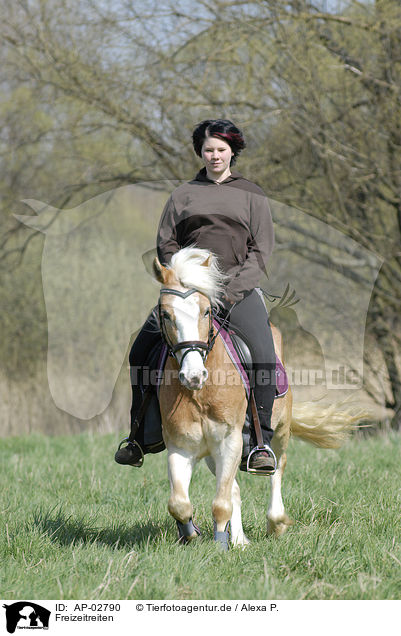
241 357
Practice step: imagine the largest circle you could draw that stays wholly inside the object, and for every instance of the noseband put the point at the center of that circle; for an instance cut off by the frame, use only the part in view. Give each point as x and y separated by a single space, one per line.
201 347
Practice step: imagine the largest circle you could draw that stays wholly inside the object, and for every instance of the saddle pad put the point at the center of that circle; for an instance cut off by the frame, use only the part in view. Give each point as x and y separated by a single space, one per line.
281 376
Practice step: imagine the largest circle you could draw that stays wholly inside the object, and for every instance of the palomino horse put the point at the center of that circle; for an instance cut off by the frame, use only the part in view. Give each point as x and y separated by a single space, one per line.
202 418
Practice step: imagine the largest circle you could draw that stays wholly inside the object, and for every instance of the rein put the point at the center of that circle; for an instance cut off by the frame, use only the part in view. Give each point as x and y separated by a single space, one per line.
203 348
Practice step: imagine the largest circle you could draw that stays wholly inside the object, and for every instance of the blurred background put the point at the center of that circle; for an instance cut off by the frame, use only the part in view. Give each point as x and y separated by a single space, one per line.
98 96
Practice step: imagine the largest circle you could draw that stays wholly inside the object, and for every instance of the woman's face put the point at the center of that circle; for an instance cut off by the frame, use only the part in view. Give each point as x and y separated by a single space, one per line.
216 155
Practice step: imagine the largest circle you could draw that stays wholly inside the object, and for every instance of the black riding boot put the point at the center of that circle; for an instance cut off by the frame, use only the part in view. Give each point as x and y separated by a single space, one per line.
249 318
132 454
255 460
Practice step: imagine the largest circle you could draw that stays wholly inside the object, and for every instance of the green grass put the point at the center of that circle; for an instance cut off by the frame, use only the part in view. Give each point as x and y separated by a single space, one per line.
76 525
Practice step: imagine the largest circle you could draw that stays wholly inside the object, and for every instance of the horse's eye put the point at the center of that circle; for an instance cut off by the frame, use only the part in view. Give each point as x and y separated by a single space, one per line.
207 312
166 315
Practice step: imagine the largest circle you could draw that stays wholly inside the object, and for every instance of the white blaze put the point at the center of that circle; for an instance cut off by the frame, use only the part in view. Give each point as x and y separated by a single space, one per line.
186 311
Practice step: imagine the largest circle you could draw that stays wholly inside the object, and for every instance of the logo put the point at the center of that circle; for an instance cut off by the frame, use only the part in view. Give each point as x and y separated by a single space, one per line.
97 292
26 615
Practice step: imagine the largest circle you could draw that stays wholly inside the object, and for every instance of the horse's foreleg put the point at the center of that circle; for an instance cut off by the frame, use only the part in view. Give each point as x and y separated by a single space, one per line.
237 532
180 467
226 457
277 519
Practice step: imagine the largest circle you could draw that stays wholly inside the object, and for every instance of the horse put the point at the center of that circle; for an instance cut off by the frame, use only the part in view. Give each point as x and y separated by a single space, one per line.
204 418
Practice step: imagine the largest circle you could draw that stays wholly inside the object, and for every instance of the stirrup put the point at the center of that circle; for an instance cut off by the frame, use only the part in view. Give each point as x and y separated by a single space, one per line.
256 471
134 443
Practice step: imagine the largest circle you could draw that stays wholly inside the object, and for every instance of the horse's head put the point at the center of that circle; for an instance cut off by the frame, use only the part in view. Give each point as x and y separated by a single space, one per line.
185 310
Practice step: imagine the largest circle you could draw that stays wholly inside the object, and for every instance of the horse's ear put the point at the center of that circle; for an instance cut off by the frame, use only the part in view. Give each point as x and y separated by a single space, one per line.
158 270
207 262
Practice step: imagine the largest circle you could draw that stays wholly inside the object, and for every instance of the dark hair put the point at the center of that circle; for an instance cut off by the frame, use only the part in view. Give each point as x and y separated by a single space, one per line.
222 129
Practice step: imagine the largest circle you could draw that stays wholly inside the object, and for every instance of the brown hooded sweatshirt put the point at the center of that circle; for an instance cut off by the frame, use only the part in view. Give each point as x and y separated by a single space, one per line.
232 219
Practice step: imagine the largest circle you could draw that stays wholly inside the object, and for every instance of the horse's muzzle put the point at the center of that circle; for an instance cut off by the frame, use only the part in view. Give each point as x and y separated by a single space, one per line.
195 380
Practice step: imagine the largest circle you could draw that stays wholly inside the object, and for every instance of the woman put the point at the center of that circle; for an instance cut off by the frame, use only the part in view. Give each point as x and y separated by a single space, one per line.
228 215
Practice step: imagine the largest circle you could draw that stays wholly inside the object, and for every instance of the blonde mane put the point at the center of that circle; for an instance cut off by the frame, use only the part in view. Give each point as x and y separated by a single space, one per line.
188 267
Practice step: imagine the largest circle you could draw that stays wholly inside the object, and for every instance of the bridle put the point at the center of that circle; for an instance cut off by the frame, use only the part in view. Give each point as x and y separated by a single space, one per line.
203 348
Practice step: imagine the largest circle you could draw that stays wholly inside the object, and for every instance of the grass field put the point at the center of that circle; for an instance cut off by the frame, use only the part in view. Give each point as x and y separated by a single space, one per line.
78 526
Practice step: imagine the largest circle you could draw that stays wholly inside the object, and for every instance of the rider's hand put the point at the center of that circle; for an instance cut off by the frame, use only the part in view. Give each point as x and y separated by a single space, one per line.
228 301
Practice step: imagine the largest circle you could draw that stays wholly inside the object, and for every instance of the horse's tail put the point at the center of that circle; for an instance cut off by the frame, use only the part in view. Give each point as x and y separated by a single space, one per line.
326 427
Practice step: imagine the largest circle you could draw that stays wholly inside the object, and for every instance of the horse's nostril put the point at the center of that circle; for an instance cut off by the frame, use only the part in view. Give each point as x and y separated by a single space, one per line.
193 380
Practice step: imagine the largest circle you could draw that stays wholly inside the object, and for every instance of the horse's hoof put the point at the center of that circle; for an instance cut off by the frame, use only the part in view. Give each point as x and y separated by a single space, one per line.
187 532
277 527
222 538
241 543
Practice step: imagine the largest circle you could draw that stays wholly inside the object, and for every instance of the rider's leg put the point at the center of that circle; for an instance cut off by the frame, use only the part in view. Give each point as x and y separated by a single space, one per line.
250 319
144 342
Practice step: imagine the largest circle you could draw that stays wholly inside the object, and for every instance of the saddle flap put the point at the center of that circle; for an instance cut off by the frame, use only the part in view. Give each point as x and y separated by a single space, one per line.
242 350
234 342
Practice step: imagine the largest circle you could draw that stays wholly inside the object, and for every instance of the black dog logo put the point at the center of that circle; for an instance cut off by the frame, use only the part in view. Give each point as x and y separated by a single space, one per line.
27 615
